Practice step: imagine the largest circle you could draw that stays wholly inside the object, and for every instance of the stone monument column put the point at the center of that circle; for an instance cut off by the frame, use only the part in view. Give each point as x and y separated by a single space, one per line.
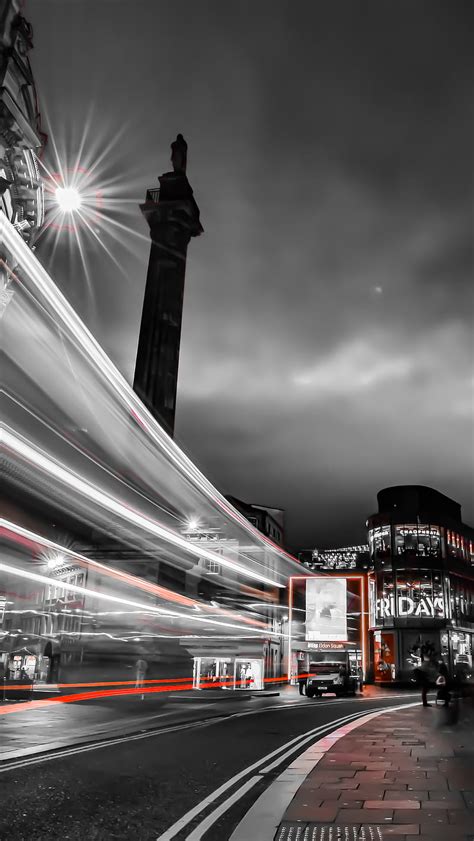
173 217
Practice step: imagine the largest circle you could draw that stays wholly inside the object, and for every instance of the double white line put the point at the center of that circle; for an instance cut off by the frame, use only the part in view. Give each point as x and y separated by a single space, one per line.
261 767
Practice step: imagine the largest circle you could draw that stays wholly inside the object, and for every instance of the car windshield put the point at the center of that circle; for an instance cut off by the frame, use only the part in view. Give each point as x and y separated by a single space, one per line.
324 668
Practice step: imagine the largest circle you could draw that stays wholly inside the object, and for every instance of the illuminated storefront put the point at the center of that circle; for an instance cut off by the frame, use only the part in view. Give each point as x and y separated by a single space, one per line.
228 673
328 620
421 590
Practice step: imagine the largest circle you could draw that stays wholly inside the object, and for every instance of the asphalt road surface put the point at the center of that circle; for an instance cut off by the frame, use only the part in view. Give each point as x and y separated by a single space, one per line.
137 788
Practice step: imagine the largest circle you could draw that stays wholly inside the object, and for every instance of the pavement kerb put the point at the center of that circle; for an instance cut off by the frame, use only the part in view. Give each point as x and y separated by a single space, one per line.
265 816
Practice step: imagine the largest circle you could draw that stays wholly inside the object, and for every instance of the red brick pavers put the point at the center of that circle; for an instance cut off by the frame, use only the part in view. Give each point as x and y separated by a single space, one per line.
404 775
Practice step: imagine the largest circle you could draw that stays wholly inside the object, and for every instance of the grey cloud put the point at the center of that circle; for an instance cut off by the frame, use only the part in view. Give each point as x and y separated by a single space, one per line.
329 150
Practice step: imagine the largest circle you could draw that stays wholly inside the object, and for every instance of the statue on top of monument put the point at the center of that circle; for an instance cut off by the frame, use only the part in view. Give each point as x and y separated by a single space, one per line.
179 153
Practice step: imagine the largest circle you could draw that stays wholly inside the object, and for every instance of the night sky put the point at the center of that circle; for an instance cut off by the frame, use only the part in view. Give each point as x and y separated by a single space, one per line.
327 335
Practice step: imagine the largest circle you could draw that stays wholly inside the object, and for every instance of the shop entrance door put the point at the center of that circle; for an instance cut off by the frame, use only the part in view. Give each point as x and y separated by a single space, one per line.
355 660
248 673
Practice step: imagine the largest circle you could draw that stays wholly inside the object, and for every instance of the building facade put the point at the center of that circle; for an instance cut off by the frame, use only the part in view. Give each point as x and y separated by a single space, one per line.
270 521
421 589
330 560
21 138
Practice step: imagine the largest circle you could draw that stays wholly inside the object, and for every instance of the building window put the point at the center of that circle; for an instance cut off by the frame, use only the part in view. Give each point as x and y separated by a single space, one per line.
422 541
462 598
420 593
379 542
462 651
212 567
457 546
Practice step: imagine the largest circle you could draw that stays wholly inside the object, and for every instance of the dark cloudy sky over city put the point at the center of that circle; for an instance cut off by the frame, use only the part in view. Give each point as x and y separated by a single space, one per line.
327 332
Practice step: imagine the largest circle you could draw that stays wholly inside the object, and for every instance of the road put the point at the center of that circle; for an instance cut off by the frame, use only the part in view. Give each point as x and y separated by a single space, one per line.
137 787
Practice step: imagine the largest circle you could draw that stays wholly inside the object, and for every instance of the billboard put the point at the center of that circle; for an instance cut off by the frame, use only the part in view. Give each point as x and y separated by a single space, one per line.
326 609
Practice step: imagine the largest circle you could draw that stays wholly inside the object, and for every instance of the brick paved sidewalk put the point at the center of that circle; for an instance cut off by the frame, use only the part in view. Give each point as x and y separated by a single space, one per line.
404 775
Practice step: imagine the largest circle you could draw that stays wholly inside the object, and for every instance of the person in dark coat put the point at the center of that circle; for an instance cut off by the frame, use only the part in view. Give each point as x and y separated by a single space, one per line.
302 681
422 677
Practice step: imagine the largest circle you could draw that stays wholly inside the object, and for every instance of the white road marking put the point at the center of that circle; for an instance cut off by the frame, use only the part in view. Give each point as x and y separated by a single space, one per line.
263 818
297 742
197 833
6 765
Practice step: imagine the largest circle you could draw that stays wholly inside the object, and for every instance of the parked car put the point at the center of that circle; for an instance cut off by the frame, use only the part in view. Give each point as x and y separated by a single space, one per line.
333 677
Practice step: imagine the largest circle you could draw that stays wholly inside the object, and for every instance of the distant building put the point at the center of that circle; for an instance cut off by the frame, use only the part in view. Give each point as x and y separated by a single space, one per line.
270 521
343 558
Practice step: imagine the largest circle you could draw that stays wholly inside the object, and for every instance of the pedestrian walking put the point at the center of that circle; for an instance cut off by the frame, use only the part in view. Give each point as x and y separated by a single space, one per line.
302 681
422 676
141 667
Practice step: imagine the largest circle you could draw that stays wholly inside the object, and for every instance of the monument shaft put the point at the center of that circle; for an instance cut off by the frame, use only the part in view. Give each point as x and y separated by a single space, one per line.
173 217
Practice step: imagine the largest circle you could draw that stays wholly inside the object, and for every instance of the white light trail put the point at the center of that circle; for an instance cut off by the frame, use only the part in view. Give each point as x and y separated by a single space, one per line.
66 315
29 453
85 591
72 557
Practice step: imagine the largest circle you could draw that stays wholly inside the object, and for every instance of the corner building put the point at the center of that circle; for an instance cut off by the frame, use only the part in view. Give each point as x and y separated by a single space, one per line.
421 589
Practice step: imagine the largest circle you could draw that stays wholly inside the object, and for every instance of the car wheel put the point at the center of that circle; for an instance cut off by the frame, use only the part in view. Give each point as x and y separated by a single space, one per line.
309 693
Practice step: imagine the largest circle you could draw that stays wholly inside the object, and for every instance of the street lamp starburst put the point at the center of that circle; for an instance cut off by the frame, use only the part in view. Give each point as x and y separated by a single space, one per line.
68 199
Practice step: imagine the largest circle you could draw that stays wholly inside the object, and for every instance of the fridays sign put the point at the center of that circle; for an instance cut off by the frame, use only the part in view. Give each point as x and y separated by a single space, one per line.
406 606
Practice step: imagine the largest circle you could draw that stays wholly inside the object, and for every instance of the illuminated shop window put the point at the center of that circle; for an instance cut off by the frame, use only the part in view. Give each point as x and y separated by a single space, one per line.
384 601
462 600
458 546
419 540
415 585
462 650
379 542
420 593
385 584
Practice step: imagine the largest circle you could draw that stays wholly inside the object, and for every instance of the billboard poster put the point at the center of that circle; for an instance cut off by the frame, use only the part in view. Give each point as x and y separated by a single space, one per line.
326 609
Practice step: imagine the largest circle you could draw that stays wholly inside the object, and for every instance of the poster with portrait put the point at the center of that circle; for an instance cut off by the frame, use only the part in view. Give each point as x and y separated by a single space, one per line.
326 609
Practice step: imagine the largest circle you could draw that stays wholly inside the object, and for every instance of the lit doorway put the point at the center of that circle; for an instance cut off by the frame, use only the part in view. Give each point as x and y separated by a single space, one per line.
210 672
248 674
